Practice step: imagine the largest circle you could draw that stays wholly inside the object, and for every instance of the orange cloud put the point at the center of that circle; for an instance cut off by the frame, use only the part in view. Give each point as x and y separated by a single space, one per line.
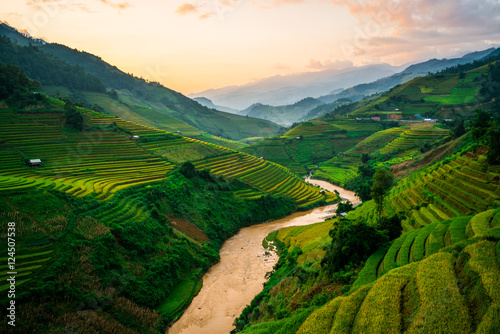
73 5
122 5
186 8
393 30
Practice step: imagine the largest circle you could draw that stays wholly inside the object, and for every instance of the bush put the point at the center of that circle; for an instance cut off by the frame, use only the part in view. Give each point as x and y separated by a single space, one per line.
391 225
352 242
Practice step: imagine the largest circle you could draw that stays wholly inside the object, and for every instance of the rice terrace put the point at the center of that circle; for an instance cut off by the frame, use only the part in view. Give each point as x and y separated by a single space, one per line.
334 168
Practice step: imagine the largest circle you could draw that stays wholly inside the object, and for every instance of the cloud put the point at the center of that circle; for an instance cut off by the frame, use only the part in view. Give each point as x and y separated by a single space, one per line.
186 8
282 67
207 8
328 64
395 30
75 6
119 5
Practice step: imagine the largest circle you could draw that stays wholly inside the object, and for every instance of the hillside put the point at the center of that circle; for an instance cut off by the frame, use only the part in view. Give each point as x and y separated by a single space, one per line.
440 275
312 142
388 147
117 229
95 83
442 95
285 115
411 72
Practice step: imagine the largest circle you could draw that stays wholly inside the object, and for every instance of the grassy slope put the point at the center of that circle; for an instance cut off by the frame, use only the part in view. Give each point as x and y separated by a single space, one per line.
398 283
433 96
320 140
89 72
391 147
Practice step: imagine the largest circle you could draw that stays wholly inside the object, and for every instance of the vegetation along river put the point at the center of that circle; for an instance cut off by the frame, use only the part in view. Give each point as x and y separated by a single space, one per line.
237 278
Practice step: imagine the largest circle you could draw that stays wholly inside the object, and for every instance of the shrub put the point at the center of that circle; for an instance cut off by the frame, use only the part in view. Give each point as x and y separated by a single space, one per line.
351 243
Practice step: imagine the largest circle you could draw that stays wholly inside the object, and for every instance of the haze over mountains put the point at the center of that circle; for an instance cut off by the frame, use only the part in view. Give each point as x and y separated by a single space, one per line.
299 97
289 89
89 80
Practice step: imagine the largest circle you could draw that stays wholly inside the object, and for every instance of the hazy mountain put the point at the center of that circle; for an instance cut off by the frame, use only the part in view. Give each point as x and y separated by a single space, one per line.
76 73
411 72
209 104
283 90
284 115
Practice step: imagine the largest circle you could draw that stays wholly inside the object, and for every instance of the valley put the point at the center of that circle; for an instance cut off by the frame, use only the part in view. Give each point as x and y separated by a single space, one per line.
135 209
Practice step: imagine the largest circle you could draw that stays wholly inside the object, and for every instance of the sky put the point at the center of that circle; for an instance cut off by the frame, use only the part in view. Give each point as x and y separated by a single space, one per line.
194 45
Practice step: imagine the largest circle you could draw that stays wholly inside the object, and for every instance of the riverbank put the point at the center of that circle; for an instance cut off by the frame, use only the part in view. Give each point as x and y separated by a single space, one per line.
238 277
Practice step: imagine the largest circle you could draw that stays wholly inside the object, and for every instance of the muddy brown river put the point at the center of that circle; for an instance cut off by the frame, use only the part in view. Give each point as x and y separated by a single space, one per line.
237 278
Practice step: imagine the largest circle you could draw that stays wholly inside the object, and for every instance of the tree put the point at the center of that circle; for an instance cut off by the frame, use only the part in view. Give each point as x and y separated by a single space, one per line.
365 157
391 225
74 118
344 207
352 242
480 124
382 182
458 127
188 170
493 140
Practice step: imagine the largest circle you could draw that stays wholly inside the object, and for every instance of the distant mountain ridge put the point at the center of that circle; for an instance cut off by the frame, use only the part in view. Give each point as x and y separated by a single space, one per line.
284 90
117 92
411 72
287 114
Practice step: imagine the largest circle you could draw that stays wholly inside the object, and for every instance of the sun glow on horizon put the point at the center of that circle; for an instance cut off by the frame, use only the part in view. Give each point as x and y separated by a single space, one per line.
190 46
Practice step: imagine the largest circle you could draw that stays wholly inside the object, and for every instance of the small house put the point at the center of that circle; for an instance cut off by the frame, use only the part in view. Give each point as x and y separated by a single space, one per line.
343 214
35 162
298 138
377 119
262 158
136 138
322 192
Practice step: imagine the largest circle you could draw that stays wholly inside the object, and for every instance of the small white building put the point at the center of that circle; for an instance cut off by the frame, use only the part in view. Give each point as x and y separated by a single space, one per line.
35 162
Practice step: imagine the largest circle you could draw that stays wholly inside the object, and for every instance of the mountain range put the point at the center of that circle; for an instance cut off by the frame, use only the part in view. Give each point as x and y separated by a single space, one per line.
308 102
89 80
289 89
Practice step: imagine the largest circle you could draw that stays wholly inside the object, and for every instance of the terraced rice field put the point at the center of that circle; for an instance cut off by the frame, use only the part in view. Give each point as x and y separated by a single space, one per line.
344 167
78 163
459 187
422 297
104 162
265 176
28 260
419 244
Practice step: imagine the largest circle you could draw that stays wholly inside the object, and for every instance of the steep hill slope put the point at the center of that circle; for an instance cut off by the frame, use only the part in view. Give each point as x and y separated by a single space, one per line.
440 276
439 96
62 70
312 142
111 220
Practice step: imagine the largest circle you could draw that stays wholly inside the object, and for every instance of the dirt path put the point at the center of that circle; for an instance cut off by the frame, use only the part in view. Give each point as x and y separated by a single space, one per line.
232 283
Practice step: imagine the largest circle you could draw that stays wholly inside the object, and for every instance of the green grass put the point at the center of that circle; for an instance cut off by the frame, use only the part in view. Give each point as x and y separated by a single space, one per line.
283 326
180 296
380 311
480 223
369 272
442 308
321 320
348 310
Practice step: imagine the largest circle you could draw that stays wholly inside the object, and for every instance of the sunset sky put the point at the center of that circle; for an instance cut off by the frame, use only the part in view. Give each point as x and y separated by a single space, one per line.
192 45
